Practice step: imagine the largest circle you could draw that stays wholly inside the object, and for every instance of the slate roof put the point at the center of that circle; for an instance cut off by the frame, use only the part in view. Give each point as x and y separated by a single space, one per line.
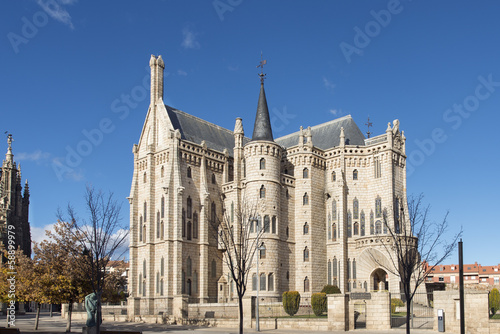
262 128
196 130
327 135
324 136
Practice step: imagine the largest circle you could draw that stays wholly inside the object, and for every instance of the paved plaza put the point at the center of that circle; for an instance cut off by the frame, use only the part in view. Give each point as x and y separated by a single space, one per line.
56 324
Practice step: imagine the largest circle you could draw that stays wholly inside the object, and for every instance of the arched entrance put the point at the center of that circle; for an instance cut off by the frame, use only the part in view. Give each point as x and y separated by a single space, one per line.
379 276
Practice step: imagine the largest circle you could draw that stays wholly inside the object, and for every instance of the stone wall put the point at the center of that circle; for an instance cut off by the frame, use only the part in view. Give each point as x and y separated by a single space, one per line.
476 312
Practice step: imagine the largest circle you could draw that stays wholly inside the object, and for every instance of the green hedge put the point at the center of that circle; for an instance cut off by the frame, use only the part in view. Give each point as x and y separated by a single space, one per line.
331 289
494 301
291 302
319 303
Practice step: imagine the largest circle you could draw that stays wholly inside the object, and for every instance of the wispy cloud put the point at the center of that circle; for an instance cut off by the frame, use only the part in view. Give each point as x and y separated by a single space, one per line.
56 10
336 112
189 39
233 68
330 86
182 73
37 156
75 174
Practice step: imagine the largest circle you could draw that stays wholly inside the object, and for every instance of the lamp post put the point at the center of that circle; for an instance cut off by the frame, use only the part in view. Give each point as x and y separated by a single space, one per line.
259 248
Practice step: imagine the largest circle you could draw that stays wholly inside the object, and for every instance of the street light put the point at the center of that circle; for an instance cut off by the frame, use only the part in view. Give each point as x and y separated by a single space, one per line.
259 249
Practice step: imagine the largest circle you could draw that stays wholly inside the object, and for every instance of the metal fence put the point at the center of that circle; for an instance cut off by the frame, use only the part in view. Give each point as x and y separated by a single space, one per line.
422 311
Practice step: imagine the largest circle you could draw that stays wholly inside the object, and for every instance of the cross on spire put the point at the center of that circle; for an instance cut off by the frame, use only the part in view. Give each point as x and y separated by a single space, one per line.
369 125
261 65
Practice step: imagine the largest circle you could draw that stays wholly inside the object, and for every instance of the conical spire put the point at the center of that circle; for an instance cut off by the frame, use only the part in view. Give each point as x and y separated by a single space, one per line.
262 128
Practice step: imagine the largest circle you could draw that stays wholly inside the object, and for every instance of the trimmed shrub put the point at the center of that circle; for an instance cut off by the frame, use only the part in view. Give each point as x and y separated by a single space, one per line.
494 299
331 289
291 302
319 303
396 302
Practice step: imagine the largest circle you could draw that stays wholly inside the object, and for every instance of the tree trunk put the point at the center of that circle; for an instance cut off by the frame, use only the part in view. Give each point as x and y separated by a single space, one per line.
50 305
68 322
98 314
37 315
240 309
408 315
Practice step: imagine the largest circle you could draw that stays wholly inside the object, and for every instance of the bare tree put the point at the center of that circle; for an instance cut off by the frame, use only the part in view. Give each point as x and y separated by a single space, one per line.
237 235
100 236
417 246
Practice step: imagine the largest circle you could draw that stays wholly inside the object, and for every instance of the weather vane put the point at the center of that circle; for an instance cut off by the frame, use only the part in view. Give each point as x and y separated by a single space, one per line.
369 125
261 65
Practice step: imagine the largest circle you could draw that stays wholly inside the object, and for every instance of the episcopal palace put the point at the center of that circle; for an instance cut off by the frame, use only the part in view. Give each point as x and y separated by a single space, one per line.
323 194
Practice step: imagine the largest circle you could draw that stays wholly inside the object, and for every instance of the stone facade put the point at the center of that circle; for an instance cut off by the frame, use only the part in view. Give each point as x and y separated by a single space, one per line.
14 205
322 194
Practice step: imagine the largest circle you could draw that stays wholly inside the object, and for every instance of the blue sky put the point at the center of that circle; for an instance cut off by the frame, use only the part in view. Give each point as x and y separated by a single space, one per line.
73 69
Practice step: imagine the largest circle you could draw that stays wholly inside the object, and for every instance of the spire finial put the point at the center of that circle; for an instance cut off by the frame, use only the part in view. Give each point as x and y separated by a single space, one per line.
9 154
368 125
261 65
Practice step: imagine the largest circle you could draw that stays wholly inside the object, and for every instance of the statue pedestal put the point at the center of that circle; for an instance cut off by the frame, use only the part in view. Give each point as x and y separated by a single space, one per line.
89 330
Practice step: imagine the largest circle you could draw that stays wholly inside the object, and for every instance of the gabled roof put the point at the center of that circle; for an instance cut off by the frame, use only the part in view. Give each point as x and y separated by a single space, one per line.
327 135
197 130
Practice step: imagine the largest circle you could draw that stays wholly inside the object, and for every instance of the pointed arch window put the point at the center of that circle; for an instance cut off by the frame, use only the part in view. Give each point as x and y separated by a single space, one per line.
329 231
162 267
306 254
267 225
262 193
355 174
158 225
349 225
273 225
189 285
254 282
397 228
362 223
162 204
305 199
139 290
305 173
195 225
306 284
262 163
213 212
334 210
162 229
140 228
189 266
189 207
372 223
183 283
183 223
378 207
329 272
214 180
354 269
188 172
334 176
334 232
378 227
262 282
355 208
161 287
145 211
270 282
334 270
189 230
145 177
356 228
157 283
144 232
144 271
305 228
